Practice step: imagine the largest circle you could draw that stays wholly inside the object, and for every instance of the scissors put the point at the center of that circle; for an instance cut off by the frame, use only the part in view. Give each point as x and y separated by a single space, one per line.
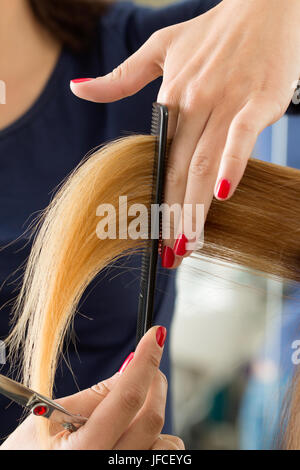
39 405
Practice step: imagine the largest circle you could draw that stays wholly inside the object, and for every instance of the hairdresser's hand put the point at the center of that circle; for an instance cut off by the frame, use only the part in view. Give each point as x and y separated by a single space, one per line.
227 75
125 412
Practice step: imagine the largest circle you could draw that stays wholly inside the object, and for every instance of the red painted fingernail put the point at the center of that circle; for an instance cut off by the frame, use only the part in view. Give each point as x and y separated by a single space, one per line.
161 335
223 189
81 80
126 362
180 245
168 257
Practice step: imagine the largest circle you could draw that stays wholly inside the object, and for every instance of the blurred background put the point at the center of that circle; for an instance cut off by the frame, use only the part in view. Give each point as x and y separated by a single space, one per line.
234 338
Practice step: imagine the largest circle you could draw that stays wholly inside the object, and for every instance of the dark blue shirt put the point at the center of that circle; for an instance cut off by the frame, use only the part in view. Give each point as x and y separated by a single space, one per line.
39 150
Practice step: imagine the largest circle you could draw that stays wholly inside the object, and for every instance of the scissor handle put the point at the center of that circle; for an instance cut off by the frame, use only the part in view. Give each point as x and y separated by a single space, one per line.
40 405
46 408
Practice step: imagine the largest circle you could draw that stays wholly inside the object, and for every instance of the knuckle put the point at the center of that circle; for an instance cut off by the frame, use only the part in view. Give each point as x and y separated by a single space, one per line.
173 176
156 36
163 36
163 377
119 72
277 109
179 443
196 95
275 106
132 398
280 107
201 165
154 422
190 100
189 107
245 126
169 445
194 98
237 159
169 94
154 361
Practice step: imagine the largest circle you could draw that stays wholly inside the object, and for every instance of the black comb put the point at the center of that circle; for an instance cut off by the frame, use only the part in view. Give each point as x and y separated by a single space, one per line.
159 128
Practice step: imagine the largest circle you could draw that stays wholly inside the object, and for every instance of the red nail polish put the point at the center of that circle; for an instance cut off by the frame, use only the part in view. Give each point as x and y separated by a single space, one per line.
161 335
180 245
168 257
126 362
81 80
223 189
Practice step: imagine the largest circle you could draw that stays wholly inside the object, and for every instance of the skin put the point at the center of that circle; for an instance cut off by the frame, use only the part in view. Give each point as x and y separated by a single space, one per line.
34 53
128 407
227 75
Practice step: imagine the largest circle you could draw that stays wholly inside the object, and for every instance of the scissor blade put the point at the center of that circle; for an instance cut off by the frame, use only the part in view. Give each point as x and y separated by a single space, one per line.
15 391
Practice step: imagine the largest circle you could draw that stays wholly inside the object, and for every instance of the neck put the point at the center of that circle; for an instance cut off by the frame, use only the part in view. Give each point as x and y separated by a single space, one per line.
24 43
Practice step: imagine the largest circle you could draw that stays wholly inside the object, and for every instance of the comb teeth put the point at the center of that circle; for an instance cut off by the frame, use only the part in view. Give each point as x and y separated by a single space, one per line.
155 123
159 125
156 130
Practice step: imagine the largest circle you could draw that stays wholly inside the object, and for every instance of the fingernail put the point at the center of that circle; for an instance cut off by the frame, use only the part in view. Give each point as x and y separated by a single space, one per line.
81 80
161 335
223 189
180 245
168 257
126 362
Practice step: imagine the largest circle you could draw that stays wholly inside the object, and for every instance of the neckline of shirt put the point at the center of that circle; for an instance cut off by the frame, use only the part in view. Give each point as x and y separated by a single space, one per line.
40 101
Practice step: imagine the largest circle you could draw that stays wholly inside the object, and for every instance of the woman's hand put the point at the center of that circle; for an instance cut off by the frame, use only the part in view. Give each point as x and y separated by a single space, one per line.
227 75
125 412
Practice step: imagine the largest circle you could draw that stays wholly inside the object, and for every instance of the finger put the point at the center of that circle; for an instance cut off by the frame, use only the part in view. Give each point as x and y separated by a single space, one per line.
148 423
202 175
85 402
189 129
121 405
244 130
176 440
103 388
141 68
167 442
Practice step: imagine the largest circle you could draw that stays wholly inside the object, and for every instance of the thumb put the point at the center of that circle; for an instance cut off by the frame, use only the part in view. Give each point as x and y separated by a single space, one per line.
82 403
141 68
